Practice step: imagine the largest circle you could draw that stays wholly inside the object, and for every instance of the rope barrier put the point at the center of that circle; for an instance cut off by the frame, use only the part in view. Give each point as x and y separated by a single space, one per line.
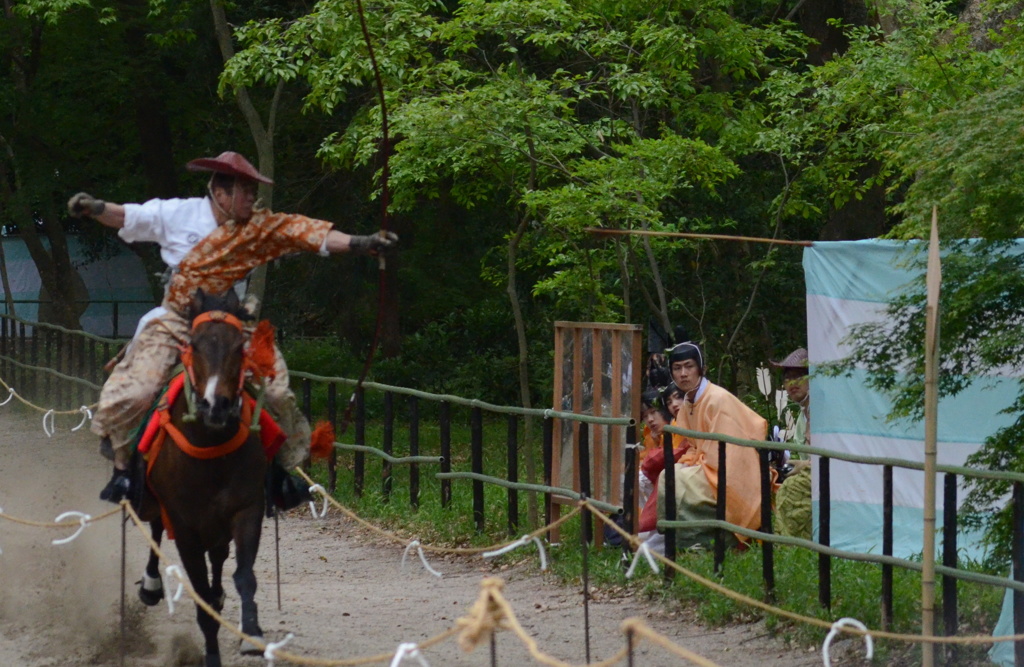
410 651
596 508
523 486
58 523
57 327
493 612
835 630
423 558
388 457
55 373
38 408
525 539
471 402
469 551
637 627
792 615
852 458
965 575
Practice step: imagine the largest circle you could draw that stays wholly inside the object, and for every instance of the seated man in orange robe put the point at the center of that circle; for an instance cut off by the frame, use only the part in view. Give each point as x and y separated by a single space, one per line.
712 409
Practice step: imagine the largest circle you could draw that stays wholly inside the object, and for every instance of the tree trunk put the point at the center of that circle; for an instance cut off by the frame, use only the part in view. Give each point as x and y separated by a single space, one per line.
262 136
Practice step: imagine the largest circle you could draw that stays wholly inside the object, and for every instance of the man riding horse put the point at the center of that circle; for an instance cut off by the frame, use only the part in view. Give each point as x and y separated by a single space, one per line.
210 243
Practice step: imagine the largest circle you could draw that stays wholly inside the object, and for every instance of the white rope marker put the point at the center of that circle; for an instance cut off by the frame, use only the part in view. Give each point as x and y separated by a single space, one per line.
646 551
525 539
423 558
83 521
175 571
86 416
49 431
312 505
272 647
9 397
410 651
835 630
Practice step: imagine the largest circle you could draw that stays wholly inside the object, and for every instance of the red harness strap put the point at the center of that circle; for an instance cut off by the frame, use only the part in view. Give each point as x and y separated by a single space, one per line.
206 453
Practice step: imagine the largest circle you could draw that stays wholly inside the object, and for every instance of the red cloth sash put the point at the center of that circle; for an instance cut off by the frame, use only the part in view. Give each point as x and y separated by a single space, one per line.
160 426
270 433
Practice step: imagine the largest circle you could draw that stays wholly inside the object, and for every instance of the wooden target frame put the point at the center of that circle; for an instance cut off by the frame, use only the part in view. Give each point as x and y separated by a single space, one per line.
616 352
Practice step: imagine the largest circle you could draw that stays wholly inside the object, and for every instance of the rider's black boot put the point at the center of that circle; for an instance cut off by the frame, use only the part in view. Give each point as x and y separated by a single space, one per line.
117 488
286 490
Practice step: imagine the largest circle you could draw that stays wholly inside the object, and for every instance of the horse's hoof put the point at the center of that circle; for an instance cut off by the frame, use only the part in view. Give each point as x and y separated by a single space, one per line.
150 598
246 647
151 590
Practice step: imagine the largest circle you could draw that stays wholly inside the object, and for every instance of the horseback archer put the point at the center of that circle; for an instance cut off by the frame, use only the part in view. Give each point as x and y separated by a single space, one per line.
210 243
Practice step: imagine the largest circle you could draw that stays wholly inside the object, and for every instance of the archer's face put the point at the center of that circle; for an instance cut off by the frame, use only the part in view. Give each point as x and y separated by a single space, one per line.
239 201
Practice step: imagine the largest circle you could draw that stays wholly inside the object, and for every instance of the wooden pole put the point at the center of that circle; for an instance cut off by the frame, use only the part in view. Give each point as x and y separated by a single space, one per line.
931 404
690 235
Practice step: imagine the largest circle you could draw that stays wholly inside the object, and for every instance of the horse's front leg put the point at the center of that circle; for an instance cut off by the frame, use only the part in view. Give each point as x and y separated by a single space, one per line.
151 588
217 557
246 531
193 558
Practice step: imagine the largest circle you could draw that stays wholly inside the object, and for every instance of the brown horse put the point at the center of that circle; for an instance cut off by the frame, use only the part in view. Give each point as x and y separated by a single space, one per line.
209 497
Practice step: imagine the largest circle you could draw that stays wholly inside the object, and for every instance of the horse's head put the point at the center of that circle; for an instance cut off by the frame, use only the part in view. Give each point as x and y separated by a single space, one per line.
215 358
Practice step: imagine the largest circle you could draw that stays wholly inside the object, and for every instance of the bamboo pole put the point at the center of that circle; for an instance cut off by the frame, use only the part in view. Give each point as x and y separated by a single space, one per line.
931 404
690 235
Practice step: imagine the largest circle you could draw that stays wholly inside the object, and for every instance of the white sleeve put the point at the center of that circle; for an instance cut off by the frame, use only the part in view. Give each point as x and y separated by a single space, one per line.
144 222
323 248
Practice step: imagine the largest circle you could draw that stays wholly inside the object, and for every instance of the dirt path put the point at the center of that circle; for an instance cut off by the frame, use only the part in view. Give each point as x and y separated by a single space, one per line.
344 594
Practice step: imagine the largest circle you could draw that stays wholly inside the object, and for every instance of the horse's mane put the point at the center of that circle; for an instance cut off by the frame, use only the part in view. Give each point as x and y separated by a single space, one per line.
228 302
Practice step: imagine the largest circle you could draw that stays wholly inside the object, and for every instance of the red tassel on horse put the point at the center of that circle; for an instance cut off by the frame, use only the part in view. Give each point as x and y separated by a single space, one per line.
260 358
321 444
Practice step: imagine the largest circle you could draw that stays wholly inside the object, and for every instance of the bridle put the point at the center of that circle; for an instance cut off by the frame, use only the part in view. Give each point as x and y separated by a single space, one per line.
186 352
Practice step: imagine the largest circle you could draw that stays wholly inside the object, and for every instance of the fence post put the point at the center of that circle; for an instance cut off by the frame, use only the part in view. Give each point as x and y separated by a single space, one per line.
3 349
586 520
307 398
670 502
22 344
949 584
445 419
824 534
1018 570
332 416
547 448
723 486
886 546
414 450
388 443
476 446
767 548
80 368
1018 565
34 358
359 466
629 484
92 370
512 453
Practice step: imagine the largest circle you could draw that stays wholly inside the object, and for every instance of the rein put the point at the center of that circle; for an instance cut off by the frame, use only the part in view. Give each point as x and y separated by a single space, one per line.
185 351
